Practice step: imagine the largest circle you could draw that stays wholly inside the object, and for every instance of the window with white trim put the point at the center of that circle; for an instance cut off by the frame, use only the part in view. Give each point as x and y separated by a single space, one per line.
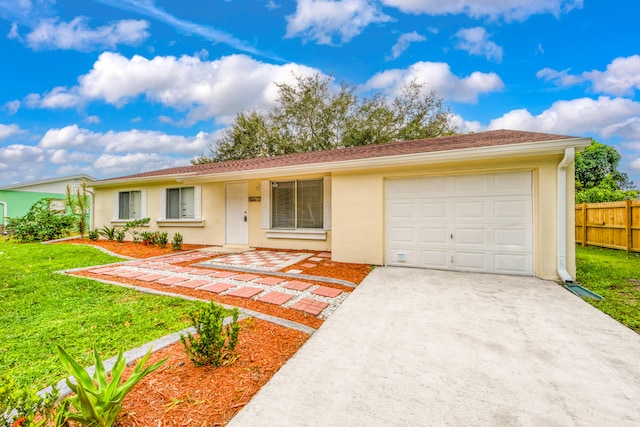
129 204
297 204
180 203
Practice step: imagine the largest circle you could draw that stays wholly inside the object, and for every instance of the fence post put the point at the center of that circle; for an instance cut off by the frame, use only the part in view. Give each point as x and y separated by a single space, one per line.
584 224
627 223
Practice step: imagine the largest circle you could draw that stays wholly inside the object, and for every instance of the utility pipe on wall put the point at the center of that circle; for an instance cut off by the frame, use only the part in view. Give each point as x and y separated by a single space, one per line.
569 156
4 212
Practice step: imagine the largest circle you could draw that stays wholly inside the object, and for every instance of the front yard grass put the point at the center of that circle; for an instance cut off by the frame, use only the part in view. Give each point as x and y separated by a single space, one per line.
615 275
39 309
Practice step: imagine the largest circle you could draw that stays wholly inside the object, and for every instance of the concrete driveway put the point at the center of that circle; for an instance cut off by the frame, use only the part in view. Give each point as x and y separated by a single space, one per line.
417 347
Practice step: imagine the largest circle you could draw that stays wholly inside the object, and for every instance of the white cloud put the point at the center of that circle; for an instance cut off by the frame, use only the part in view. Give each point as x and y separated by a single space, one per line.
476 42
113 165
604 116
18 153
133 141
324 20
437 76
12 107
494 9
466 126
621 77
67 137
204 89
50 34
560 78
7 131
403 43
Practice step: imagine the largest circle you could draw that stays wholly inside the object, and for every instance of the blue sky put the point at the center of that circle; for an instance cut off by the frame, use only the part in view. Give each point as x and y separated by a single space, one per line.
112 87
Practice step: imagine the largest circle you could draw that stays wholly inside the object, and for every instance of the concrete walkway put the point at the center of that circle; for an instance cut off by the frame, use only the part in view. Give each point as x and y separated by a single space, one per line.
416 347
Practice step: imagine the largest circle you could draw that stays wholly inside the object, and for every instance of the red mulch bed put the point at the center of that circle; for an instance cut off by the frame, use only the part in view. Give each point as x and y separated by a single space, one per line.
134 250
179 394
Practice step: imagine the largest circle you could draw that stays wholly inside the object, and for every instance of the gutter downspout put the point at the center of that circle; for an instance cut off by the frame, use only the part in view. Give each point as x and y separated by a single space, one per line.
92 207
569 156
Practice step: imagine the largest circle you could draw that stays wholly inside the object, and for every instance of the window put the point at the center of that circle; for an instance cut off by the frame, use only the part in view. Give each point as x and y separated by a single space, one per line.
129 204
180 203
297 204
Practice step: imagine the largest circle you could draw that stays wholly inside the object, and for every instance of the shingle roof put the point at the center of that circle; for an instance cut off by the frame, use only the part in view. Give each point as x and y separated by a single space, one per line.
444 143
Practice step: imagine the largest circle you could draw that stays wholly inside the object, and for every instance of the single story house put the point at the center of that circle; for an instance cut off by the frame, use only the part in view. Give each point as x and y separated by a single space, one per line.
17 199
497 202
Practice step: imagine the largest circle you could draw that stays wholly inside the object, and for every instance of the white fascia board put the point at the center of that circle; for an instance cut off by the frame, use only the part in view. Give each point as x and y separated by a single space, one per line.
141 180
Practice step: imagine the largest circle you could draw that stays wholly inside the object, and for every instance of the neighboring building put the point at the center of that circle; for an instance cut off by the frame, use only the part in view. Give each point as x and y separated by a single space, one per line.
17 199
497 202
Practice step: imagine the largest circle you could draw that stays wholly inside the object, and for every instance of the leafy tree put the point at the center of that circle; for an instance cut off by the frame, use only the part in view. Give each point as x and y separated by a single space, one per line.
606 191
78 204
598 178
310 115
597 162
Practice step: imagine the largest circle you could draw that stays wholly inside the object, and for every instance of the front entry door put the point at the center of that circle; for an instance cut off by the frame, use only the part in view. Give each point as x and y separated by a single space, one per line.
237 211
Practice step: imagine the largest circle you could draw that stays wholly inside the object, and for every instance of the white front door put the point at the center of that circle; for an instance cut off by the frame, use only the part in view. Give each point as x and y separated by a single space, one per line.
480 223
237 213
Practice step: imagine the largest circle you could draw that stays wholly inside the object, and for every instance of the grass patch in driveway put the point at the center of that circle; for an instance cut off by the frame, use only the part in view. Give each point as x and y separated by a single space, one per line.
615 275
39 309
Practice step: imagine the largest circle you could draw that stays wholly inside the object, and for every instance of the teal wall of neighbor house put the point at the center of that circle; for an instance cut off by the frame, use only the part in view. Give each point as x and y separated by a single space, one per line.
18 203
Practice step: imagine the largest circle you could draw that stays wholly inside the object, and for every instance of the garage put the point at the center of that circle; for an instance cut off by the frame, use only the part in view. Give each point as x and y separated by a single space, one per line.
475 222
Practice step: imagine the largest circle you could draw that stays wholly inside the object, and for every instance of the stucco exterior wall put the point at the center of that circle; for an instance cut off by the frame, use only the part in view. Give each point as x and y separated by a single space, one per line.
358 208
211 230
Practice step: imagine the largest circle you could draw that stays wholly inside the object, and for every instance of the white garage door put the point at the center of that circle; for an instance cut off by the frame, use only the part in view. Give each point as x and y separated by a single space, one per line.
477 223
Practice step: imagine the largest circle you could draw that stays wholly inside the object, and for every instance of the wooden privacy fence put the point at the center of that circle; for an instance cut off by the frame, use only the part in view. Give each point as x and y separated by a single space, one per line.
613 225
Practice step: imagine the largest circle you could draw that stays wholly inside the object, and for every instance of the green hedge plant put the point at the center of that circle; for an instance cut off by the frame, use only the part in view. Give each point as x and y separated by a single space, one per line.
214 344
40 223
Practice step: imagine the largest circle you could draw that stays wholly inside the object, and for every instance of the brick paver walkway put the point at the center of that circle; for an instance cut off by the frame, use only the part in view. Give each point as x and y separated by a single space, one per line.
286 292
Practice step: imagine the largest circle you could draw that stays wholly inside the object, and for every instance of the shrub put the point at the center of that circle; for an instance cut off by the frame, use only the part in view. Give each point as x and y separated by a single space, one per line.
119 235
161 239
22 407
97 402
176 243
147 237
215 343
40 223
133 227
108 233
94 234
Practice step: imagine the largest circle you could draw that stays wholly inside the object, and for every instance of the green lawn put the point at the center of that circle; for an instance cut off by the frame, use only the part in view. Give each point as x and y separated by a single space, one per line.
39 309
615 275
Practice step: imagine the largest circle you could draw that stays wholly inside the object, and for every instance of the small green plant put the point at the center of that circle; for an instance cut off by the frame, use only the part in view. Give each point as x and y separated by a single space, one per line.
147 237
97 402
162 239
119 235
22 407
176 243
108 233
133 228
94 234
78 206
215 343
